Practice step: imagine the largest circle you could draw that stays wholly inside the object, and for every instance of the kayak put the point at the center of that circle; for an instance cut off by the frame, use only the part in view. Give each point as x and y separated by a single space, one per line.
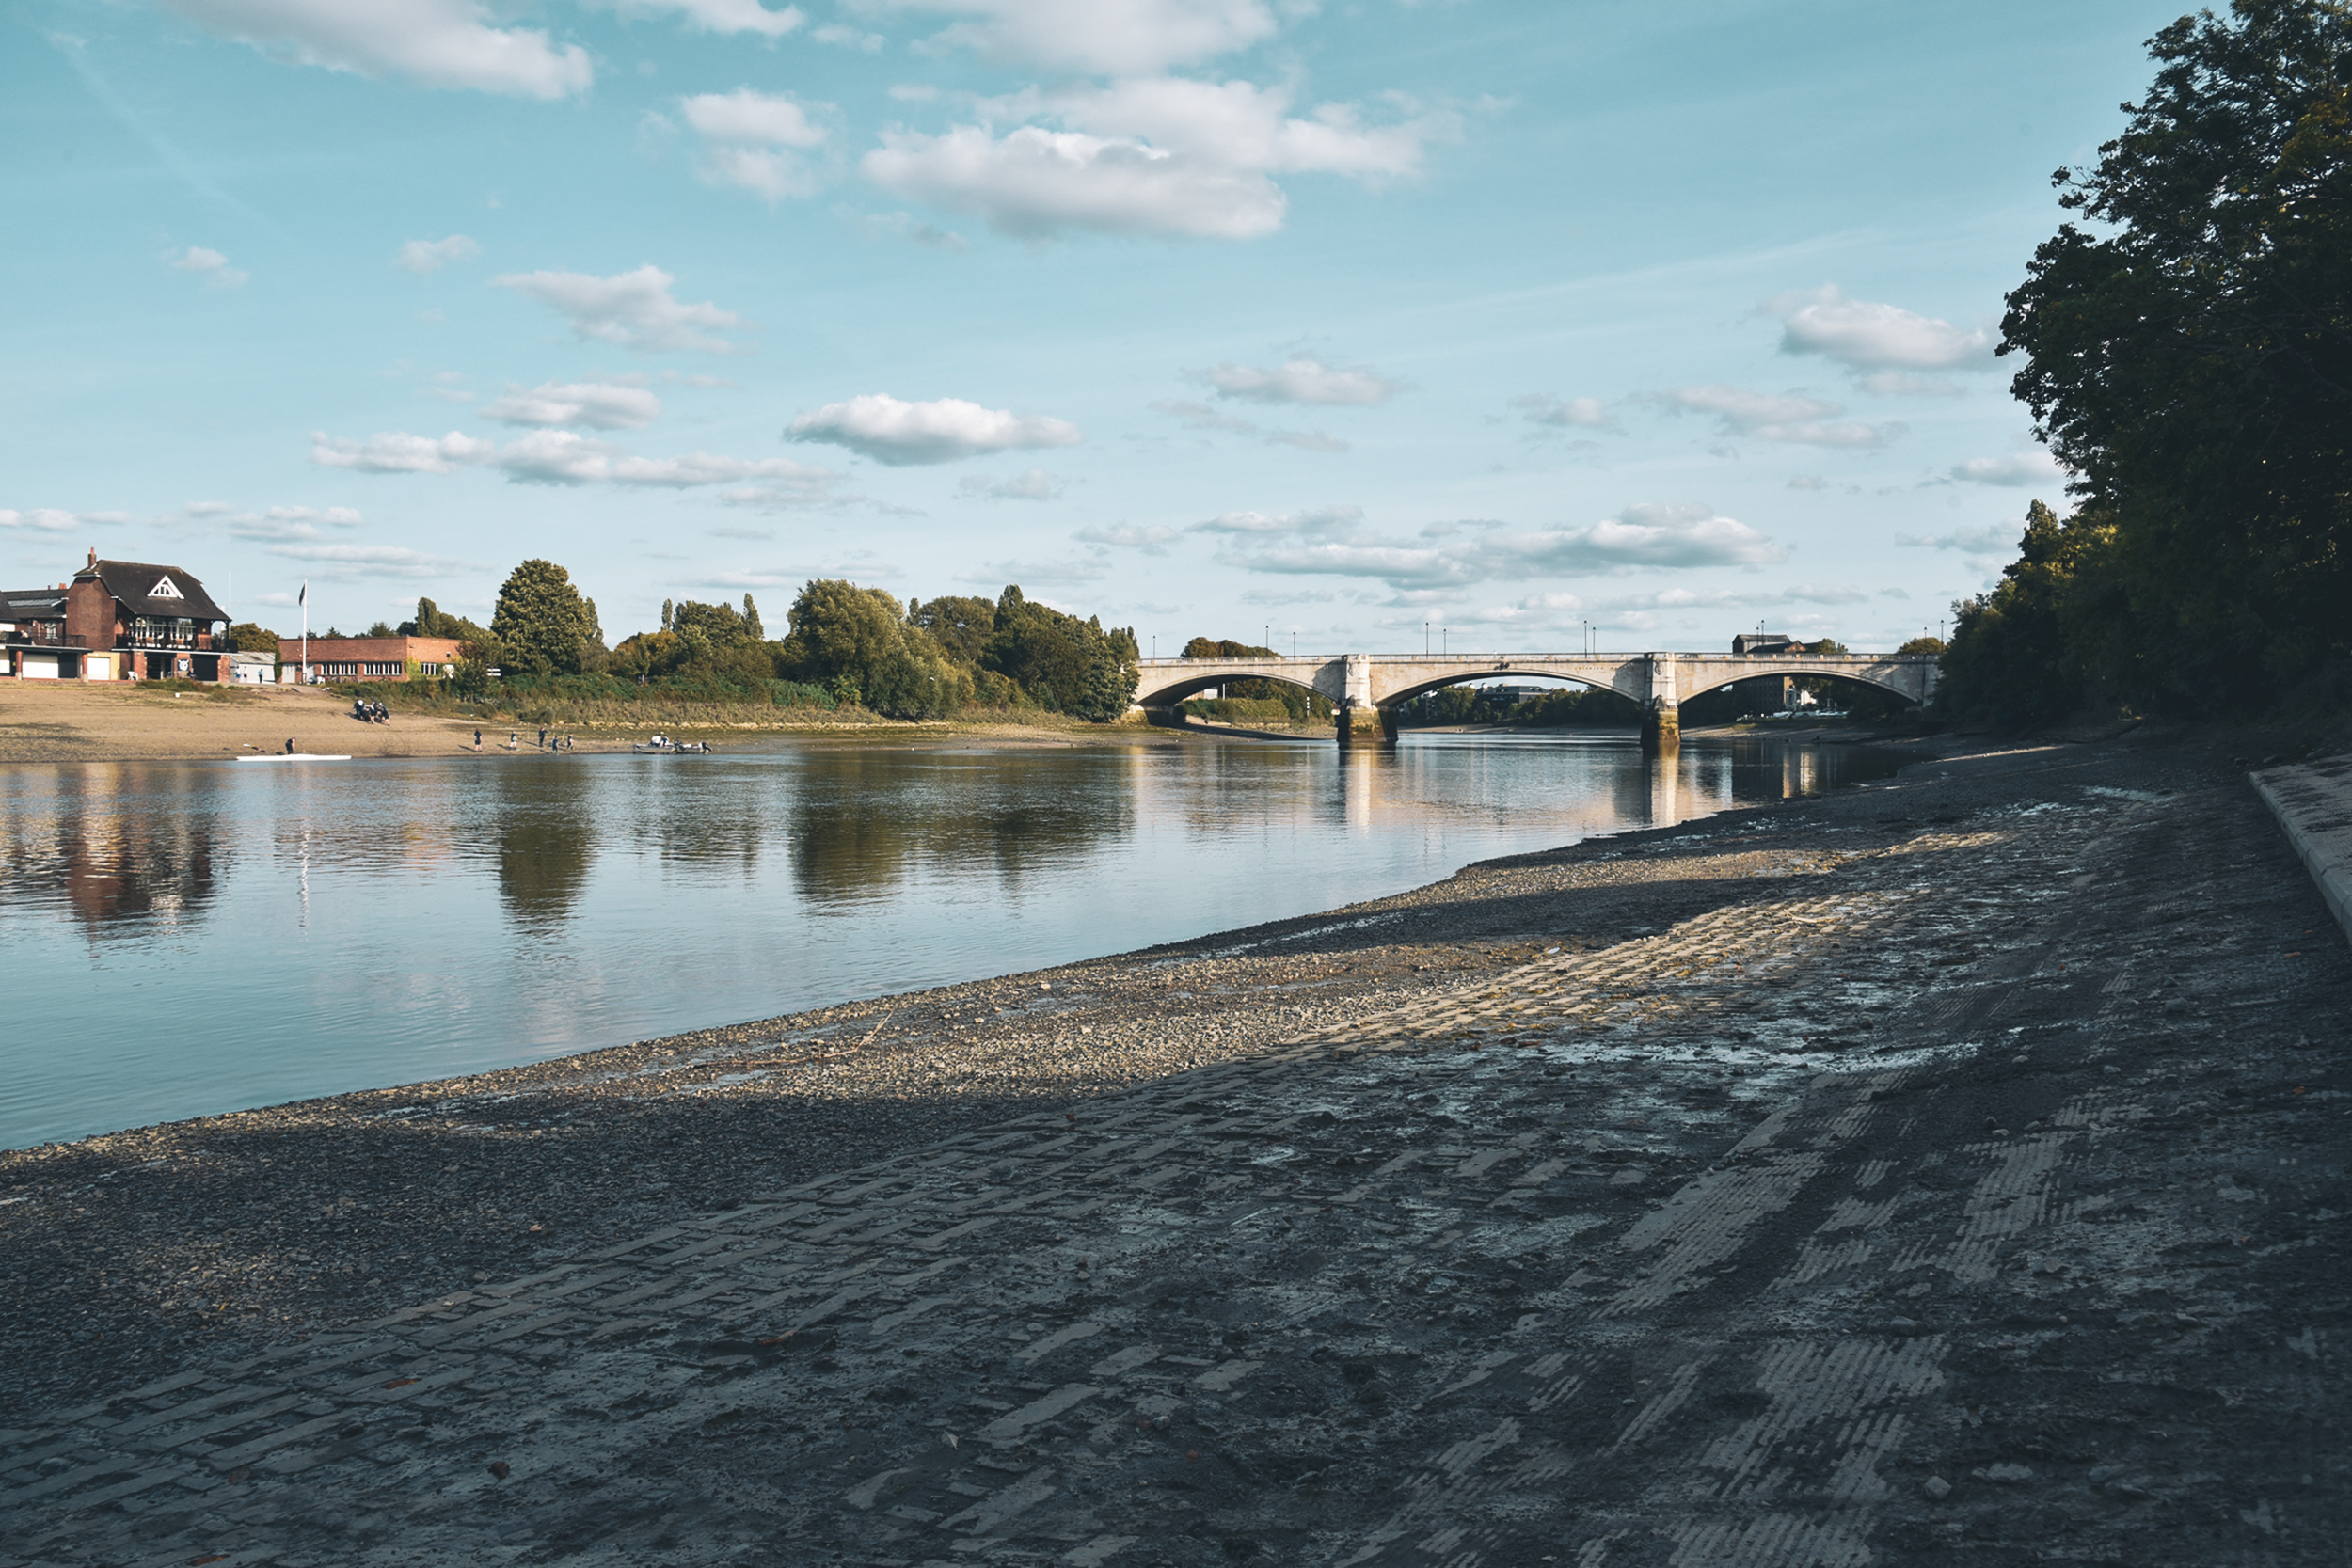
299 756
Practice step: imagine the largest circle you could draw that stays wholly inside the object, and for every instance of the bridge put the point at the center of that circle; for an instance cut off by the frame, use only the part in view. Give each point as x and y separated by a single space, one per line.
1364 687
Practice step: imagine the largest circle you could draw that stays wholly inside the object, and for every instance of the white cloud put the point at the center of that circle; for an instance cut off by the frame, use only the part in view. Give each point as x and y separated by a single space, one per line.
634 309
2018 469
48 519
565 457
720 16
889 431
398 453
1808 482
754 140
1643 536
210 265
561 457
1029 484
1786 416
1310 440
1035 181
1864 335
1564 413
596 404
1162 155
1199 416
1100 38
292 522
1150 539
849 38
423 256
1299 379
1992 538
1315 519
370 560
442 44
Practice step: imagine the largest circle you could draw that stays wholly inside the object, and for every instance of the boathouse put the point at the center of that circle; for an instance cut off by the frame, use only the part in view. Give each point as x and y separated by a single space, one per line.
117 620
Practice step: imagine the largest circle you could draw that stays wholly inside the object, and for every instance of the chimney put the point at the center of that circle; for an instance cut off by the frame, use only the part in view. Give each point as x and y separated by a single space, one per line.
94 557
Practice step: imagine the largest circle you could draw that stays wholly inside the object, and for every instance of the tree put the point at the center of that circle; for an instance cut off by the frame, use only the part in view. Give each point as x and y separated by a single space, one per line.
543 625
960 625
856 641
2030 649
1063 663
432 621
2190 362
246 637
720 623
381 628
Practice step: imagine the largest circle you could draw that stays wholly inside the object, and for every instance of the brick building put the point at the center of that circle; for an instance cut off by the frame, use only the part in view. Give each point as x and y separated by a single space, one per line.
371 659
117 620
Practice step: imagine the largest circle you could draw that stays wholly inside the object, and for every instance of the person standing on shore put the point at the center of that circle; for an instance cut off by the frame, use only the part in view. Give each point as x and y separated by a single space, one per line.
477 740
290 745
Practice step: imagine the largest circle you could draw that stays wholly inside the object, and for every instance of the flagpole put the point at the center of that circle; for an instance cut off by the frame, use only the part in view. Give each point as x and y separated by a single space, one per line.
303 678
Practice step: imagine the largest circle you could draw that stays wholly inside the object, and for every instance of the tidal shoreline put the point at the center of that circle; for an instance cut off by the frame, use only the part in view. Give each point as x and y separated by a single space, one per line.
1963 1145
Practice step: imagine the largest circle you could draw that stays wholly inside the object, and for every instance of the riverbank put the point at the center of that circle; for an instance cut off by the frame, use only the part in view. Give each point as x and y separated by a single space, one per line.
1947 1165
78 721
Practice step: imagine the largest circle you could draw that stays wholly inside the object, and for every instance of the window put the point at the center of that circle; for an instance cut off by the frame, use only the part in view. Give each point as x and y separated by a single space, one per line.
166 589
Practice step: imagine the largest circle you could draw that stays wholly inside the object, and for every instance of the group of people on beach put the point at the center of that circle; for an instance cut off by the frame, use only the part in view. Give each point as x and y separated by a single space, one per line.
369 713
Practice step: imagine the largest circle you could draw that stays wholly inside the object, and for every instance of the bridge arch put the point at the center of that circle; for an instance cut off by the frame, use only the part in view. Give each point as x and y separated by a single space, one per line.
1704 681
1160 686
1422 689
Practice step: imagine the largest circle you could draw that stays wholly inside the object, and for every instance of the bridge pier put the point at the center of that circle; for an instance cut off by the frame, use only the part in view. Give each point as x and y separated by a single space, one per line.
1362 724
1662 729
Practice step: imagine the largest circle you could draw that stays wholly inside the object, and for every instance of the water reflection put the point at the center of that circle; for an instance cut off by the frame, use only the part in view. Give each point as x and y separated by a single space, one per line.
385 921
98 843
546 839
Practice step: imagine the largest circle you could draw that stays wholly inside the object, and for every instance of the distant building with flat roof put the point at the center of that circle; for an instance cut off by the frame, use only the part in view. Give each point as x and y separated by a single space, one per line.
371 659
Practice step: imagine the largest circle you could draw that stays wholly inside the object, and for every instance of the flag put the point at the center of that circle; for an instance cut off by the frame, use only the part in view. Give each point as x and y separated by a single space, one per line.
304 598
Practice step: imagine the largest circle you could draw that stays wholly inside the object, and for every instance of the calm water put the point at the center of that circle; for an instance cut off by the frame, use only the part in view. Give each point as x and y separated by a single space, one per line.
188 938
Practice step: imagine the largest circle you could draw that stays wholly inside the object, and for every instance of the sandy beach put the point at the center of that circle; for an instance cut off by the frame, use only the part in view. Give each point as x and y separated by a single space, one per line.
79 721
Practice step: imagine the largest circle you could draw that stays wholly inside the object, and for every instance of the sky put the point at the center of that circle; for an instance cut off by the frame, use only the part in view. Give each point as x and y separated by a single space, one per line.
1355 326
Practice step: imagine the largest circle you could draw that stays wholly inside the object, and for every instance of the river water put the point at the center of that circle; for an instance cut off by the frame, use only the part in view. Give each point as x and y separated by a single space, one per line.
183 939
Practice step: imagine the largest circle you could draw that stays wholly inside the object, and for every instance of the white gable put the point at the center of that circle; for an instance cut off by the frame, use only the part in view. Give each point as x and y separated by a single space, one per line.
166 589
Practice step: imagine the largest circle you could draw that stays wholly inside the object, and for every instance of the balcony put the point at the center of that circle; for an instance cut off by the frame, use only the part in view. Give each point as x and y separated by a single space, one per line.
46 634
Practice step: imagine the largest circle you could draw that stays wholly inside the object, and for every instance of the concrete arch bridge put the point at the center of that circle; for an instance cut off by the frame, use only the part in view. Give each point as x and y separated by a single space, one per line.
1365 686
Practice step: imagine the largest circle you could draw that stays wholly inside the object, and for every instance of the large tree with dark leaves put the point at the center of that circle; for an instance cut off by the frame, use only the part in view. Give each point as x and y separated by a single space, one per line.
2188 346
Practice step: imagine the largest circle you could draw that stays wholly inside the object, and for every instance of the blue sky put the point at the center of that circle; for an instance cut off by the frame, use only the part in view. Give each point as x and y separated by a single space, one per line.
1208 316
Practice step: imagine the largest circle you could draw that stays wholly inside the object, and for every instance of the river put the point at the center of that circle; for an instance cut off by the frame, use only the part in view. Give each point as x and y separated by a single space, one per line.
183 939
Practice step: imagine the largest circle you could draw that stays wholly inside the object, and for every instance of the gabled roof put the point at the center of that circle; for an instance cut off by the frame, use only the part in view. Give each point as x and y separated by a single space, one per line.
146 589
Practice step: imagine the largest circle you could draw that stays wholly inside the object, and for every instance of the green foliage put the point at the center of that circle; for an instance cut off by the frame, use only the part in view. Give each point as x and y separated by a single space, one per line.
721 625
960 625
2189 359
1298 703
381 628
246 637
543 625
1576 708
2049 636
1061 663
857 643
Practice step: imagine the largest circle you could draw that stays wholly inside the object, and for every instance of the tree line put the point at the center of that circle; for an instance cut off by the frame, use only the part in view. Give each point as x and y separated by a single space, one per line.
2187 356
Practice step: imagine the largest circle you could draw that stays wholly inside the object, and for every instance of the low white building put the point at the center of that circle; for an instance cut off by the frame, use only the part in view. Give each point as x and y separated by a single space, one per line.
255 669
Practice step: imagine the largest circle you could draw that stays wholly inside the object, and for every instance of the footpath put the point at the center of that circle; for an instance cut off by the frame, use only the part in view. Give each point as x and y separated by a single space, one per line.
1964 1181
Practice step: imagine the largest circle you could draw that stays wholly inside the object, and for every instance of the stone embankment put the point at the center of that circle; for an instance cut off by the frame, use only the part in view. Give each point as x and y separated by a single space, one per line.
1948 1170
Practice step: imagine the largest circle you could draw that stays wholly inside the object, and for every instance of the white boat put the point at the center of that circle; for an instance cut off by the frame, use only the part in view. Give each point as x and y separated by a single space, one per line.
298 757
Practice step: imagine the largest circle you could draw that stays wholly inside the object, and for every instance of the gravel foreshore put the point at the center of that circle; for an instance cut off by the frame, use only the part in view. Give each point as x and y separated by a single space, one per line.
2003 1100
